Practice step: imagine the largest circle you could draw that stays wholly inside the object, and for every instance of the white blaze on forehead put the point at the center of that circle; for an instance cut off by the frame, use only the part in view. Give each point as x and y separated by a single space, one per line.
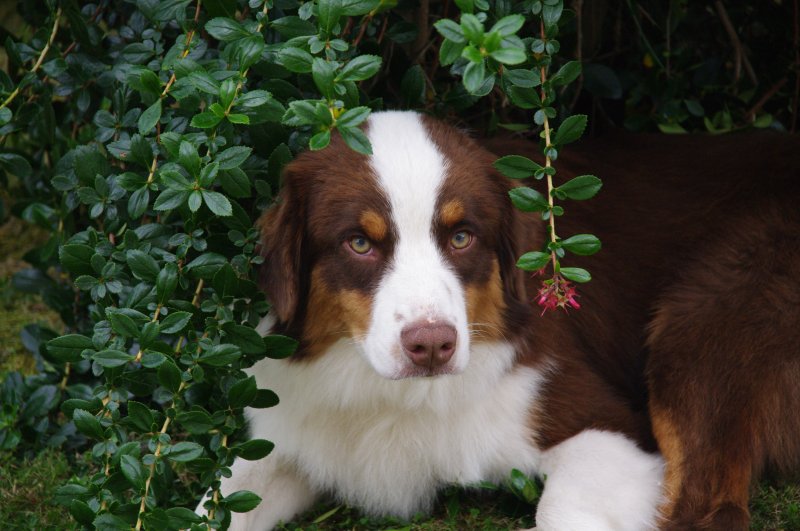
419 284
409 167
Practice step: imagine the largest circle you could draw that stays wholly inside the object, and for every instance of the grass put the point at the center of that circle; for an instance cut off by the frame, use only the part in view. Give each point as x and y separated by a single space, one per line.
26 489
27 485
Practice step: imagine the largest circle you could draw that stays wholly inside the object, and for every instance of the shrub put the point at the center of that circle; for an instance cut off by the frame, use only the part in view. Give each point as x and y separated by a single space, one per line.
147 136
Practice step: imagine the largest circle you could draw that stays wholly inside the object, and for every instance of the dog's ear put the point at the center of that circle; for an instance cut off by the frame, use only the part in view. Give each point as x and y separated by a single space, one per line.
520 233
282 228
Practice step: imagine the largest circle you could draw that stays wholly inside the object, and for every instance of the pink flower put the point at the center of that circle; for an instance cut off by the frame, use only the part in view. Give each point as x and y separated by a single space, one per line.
557 292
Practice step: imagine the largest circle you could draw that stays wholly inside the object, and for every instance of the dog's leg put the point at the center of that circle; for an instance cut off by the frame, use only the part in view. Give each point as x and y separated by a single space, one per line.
599 480
284 493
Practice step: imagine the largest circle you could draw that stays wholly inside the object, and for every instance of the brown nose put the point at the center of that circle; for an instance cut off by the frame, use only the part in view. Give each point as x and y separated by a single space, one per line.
429 345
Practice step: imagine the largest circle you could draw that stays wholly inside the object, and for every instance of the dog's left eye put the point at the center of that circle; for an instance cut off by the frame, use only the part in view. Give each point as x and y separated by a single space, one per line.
461 239
360 245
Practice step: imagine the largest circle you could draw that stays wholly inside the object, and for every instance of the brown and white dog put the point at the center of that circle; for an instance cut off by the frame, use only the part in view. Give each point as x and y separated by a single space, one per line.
423 363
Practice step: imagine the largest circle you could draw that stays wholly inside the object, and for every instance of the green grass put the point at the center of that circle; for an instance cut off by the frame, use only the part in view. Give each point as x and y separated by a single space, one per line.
27 485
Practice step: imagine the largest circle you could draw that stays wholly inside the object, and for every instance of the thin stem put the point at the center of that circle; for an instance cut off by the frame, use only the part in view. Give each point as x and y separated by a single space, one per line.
39 60
152 469
548 163
189 37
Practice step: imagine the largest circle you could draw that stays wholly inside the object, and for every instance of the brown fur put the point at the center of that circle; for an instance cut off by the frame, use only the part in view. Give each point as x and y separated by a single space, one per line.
691 318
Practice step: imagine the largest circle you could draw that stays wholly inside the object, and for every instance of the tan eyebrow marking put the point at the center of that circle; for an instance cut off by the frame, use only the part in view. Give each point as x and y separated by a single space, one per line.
452 212
373 224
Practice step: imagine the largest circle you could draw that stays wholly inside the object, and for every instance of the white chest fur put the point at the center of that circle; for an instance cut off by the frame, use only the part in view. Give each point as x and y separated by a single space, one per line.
386 446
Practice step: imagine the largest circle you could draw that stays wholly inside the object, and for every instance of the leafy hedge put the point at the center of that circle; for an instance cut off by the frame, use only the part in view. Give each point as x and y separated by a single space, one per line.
147 136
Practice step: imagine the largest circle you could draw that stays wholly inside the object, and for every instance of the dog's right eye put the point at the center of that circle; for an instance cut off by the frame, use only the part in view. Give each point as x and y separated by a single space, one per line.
360 245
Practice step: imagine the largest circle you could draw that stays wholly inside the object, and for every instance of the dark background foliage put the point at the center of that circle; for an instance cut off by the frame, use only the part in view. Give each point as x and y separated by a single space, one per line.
141 139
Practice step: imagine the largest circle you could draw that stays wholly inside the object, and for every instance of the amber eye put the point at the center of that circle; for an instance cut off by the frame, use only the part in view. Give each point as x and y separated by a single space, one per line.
360 245
461 239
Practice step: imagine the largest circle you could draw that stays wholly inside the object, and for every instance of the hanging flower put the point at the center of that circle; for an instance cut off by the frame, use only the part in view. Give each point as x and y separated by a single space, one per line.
557 292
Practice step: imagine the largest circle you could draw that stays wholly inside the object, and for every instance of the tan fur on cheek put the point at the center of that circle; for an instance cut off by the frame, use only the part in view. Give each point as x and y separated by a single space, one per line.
332 315
452 212
485 307
373 224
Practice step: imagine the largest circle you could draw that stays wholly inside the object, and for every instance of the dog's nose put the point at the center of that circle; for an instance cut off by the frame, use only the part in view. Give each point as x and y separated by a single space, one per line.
429 345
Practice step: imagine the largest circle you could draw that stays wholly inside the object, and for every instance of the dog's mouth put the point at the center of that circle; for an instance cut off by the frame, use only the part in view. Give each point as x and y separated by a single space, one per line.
423 372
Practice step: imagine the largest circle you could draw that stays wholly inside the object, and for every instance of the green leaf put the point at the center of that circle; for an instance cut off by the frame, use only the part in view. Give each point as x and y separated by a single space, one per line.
242 393
472 27
236 118
185 451
196 422
551 12
533 261
280 347
220 355
169 376
69 347
254 449
525 97
87 424
143 266
132 470
356 139
241 501
474 75
112 358
175 322
580 188
328 14
233 157
509 56
450 30
206 265
205 120
576 274
567 73
523 77
245 337
138 201
170 199
235 183
189 158
449 52
295 60
264 399
81 511
528 200
140 417
217 203
195 200
359 68
225 281
225 29
122 324
570 129
582 244
182 518
320 140
353 117
166 282
516 166
76 258
508 25
16 164
149 118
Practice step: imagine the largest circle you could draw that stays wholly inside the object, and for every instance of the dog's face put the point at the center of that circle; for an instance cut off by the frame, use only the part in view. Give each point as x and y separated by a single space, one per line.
408 252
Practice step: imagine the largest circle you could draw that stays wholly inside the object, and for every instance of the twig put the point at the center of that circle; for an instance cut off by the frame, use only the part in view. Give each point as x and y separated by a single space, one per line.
751 114
40 59
741 57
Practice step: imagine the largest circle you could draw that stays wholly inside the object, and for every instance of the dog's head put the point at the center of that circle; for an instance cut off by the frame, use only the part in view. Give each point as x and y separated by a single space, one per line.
409 252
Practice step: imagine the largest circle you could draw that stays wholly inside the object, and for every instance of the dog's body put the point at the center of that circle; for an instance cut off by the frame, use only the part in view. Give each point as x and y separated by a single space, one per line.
422 362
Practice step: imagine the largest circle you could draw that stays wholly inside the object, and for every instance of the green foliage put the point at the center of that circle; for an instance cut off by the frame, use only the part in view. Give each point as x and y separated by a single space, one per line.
145 138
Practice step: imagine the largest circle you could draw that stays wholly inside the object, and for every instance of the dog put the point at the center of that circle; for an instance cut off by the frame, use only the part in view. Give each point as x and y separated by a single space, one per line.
423 360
